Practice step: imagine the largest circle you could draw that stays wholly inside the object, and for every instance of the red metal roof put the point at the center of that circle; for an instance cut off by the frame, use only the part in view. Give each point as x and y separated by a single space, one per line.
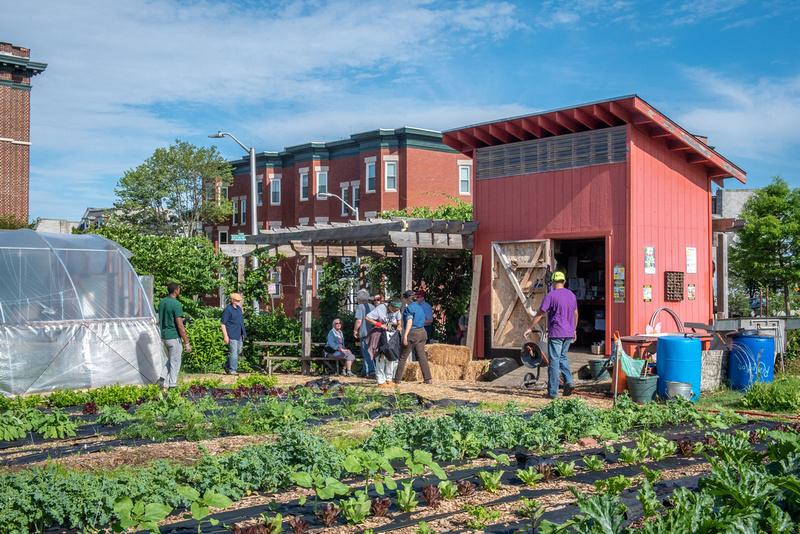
615 112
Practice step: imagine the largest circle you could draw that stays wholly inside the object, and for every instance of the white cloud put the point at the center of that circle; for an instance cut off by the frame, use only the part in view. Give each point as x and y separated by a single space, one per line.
694 11
124 77
755 120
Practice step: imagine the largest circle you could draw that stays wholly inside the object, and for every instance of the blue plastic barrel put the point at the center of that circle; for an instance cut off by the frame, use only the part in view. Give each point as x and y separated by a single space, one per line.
752 359
678 360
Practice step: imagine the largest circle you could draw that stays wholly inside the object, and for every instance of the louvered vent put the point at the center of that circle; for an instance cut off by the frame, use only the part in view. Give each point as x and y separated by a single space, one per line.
595 147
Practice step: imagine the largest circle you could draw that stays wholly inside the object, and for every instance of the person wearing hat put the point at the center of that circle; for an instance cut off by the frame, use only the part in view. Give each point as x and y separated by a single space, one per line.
561 308
233 331
361 330
414 338
384 318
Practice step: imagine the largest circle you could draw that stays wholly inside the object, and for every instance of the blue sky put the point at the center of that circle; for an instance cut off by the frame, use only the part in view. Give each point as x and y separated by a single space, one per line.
127 77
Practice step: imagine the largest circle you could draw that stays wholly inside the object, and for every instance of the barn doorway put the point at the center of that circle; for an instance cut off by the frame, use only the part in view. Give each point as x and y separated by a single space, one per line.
584 263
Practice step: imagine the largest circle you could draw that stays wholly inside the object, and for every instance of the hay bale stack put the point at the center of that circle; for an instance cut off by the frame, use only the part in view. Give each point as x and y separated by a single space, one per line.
442 354
474 371
439 373
412 372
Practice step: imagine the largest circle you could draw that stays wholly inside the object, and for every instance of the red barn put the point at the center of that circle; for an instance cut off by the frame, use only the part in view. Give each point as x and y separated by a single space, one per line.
614 194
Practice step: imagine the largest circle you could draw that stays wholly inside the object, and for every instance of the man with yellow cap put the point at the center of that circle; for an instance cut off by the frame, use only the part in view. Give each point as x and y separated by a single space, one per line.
561 308
233 332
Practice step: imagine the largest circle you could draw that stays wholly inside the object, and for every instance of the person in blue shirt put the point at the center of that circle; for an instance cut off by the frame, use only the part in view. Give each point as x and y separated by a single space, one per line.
233 331
414 338
426 307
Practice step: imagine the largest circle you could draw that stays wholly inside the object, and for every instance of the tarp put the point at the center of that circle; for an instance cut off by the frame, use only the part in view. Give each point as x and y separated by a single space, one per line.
73 314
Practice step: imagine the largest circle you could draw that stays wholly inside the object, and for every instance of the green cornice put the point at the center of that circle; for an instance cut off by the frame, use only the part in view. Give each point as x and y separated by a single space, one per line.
15 85
22 63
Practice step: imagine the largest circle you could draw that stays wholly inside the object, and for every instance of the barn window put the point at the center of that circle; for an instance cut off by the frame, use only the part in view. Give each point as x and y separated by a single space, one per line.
595 147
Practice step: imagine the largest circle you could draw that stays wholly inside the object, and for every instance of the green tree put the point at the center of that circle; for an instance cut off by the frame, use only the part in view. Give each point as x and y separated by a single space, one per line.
11 222
175 191
766 252
192 262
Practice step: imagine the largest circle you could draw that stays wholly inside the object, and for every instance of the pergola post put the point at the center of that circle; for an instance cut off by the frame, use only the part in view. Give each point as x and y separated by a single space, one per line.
407 269
722 275
306 286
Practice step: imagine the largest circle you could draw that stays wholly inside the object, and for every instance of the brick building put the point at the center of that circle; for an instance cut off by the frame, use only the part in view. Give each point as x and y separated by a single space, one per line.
16 71
375 171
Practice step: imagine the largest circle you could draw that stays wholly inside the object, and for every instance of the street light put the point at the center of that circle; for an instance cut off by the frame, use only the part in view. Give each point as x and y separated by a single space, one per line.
253 193
253 186
327 195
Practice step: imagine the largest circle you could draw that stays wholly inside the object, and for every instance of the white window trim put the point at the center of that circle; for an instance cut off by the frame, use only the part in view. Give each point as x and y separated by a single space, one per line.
386 163
235 212
320 220
275 224
344 210
275 178
220 231
260 198
303 221
301 172
318 171
356 186
469 182
243 211
370 214
367 162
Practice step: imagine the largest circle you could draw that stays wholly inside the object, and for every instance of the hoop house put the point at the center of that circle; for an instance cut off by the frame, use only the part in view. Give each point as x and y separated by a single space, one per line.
73 314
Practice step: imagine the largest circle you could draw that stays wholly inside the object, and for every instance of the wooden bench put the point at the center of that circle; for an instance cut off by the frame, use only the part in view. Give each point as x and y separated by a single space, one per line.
305 361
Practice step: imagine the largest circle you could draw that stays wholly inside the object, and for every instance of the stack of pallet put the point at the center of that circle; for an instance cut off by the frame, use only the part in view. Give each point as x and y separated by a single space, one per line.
448 362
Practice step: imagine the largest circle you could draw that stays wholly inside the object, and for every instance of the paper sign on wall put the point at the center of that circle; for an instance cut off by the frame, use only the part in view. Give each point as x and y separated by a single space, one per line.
649 260
619 291
691 292
647 293
619 272
691 260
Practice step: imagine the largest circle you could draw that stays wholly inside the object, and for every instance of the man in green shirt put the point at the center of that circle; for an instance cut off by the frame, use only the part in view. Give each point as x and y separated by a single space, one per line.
170 321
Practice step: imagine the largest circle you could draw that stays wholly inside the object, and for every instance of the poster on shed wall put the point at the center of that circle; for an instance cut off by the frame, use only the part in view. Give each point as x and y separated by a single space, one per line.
649 260
691 260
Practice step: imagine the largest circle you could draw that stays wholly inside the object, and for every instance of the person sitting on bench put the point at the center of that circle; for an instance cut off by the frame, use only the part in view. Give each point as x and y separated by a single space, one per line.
334 347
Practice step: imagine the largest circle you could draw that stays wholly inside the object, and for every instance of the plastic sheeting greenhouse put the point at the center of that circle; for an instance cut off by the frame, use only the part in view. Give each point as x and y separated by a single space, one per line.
73 314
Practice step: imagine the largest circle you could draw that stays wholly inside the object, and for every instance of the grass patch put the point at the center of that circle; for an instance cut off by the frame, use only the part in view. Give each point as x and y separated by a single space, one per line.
721 398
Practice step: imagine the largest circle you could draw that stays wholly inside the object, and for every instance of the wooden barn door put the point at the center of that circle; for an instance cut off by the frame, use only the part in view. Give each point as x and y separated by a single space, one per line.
519 283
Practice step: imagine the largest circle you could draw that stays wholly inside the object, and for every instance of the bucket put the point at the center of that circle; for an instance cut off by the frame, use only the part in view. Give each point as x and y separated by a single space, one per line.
597 369
643 389
679 389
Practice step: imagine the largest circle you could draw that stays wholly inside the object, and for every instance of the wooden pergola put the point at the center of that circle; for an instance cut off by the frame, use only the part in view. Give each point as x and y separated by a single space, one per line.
395 237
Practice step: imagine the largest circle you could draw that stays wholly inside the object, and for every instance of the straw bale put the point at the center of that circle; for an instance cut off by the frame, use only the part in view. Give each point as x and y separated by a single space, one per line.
439 373
474 371
442 354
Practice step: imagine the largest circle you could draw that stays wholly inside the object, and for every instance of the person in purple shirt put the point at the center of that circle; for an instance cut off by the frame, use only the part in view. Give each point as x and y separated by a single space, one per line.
561 308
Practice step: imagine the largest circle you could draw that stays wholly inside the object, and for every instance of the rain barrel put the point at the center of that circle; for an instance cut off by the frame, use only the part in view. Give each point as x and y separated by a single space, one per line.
678 360
752 359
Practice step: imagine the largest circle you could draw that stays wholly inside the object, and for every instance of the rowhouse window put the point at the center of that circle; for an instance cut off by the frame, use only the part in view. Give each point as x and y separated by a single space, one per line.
322 182
391 176
223 238
344 195
356 198
464 179
235 204
371 177
275 191
243 210
260 192
303 186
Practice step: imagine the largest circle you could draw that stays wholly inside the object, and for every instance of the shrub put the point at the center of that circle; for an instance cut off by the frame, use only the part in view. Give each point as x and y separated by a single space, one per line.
782 395
209 352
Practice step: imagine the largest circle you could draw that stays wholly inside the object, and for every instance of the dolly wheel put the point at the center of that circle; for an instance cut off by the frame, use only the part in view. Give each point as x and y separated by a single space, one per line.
528 381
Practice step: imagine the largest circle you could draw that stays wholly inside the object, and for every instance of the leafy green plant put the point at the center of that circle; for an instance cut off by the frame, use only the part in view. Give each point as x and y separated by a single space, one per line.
407 497
209 352
113 415
376 468
356 509
56 425
650 475
12 427
499 459
782 395
268 381
613 485
490 480
448 489
423 528
566 469
648 499
529 476
630 455
480 517
594 463
200 506
139 515
325 487
532 510
599 513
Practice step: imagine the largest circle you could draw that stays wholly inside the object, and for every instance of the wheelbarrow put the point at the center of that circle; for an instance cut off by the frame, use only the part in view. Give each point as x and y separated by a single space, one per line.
534 355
